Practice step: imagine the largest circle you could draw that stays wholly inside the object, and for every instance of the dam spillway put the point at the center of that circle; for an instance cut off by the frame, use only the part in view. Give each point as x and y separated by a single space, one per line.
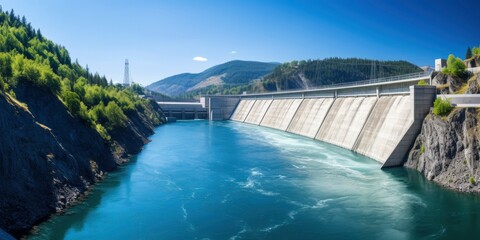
389 121
310 116
257 112
242 110
379 127
345 120
280 113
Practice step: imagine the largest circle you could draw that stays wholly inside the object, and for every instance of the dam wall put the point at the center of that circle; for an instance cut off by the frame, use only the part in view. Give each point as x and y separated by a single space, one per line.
259 108
388 122
220 107
242 110
310 116
280 113
345 120
380 126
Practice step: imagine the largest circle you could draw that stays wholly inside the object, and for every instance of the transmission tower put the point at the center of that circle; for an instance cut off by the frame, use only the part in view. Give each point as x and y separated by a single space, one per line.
373 70
126 76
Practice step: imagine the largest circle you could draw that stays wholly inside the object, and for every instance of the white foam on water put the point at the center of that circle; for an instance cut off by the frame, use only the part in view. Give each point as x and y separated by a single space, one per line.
184 211
238 235
273 227
298 167
172 185
292 214
267 193
185 217
225 199
255 172
250 183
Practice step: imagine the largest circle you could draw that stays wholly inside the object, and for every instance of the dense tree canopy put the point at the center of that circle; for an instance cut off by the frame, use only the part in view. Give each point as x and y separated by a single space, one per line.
295 74
28 58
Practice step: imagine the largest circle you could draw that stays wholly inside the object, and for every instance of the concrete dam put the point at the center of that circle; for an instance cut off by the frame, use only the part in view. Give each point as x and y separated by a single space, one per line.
380 121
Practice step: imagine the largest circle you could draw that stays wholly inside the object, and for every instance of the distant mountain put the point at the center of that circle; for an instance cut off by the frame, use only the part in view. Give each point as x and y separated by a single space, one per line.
229 74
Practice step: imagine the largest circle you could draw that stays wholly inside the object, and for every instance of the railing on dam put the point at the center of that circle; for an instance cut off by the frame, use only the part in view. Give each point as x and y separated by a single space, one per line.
395 85
220 107
410 76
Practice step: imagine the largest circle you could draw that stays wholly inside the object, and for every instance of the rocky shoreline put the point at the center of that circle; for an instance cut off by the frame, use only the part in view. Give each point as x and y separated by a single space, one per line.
447 149
48 161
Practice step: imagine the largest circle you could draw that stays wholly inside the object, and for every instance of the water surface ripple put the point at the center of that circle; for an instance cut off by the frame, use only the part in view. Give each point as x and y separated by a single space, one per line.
228 180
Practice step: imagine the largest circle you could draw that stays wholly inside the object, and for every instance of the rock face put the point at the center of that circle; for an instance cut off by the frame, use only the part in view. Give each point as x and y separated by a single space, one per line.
474 85
448 84
440 79
48 158
447 150
454 83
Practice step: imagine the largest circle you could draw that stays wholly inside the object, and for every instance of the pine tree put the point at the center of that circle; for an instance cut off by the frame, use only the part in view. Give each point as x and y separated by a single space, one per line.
469 53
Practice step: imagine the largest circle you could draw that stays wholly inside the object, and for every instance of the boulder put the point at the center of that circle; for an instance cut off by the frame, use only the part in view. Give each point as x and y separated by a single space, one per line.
440 79
454 83
473 86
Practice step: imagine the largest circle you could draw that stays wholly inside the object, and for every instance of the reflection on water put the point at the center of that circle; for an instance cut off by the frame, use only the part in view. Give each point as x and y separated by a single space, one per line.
227 180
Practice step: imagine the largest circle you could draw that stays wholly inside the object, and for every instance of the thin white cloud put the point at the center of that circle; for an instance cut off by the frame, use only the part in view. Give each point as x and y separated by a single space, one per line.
233 52
200 59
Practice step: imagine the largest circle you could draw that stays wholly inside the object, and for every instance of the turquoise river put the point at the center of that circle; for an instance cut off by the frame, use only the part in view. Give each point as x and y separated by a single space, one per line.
228 180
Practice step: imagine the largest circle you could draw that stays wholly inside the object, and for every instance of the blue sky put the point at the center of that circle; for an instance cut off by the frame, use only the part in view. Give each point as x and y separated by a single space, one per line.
162 37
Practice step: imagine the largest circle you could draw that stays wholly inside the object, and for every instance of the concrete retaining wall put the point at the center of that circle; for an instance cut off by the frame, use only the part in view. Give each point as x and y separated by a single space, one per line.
220 107
462 100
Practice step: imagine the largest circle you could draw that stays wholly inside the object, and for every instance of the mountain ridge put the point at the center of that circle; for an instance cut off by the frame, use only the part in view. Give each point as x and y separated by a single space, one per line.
236 72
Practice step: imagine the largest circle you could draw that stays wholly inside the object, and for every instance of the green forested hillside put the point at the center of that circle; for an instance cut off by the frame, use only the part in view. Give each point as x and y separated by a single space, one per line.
28 58
313 73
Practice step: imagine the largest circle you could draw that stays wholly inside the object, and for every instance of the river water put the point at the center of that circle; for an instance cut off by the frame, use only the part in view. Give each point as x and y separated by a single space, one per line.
228 180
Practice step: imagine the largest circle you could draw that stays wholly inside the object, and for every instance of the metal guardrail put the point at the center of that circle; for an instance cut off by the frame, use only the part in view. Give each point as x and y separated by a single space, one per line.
348 84
377 80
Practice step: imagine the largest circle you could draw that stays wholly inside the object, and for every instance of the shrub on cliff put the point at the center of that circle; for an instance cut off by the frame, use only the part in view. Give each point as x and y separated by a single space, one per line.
442 107
472 180
422 83
476 50
455 66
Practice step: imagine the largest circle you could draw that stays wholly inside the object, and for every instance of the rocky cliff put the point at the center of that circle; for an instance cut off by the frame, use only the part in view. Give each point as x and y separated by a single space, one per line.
49 158
447 149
